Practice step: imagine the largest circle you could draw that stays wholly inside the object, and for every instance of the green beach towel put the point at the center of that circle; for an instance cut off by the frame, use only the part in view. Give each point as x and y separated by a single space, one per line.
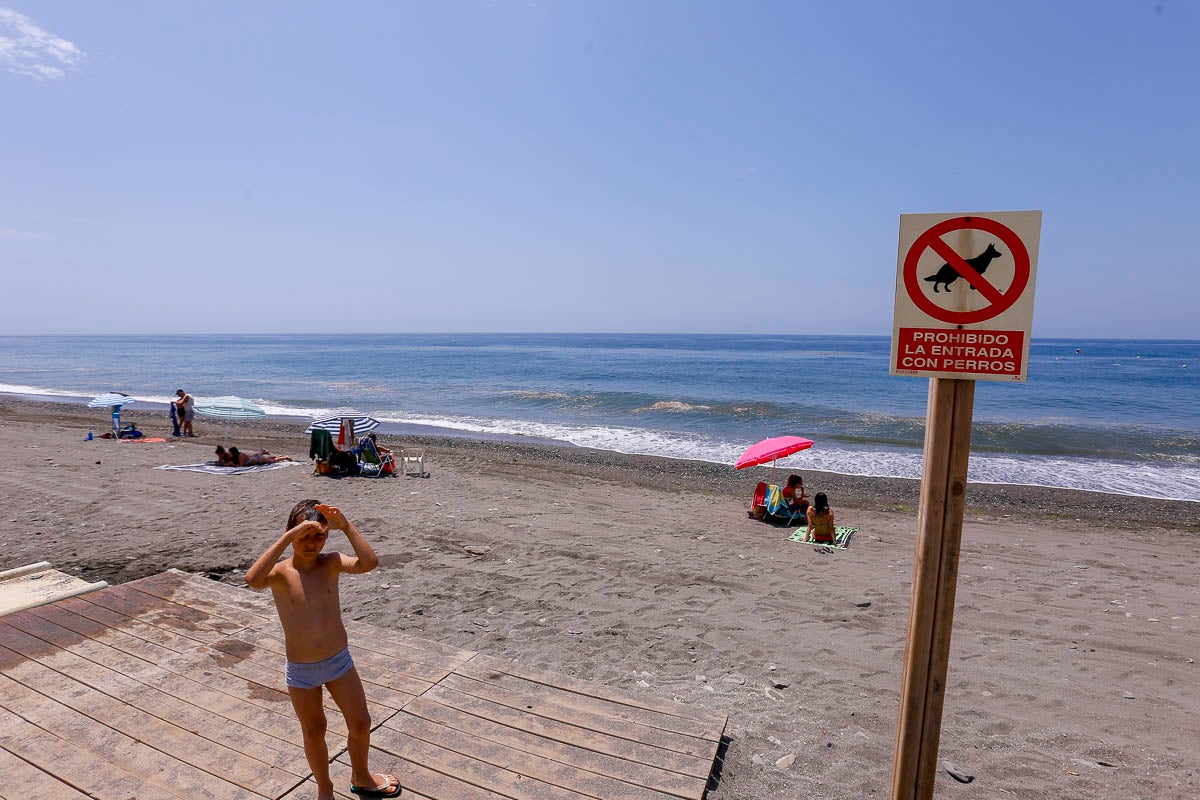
842 534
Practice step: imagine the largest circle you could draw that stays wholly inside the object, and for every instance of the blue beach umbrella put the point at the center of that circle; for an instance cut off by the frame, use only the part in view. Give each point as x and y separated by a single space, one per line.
112 400
229 408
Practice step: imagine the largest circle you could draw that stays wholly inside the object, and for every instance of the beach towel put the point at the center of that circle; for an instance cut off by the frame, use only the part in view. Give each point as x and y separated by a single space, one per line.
212 468
144 440
842 535
320 445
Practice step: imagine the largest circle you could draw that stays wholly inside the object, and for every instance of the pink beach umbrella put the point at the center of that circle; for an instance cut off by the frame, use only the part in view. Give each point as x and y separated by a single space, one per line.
772 449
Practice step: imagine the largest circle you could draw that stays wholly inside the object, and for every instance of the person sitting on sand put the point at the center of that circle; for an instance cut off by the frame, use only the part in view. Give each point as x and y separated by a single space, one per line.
794 494
239 459
820 520
316 648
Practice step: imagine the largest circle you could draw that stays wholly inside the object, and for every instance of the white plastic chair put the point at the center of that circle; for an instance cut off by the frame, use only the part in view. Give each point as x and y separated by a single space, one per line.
412 462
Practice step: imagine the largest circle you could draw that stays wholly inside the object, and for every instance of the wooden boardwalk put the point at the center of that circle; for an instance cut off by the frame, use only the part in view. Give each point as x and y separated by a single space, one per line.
172 687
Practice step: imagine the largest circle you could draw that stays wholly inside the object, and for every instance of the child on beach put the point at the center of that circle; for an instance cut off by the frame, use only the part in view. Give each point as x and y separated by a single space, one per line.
820 520
306 598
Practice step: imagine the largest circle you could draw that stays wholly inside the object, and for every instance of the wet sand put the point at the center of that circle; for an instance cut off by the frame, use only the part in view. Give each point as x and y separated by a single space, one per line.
1076 630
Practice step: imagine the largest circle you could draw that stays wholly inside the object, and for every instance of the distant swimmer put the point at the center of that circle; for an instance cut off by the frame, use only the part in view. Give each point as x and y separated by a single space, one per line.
1077 351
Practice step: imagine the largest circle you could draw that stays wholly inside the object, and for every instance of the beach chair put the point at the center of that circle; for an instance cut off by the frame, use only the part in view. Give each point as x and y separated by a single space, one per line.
412 462
777 507
374 464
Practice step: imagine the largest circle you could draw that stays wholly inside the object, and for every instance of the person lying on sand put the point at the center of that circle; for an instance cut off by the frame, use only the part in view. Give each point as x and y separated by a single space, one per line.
305 589
239 459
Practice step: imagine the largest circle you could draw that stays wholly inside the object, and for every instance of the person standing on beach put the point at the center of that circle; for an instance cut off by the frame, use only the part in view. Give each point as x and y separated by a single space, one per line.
174 417
185 410
305 589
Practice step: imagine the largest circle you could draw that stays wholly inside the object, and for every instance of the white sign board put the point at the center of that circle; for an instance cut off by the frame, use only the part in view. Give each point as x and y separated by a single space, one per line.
964 295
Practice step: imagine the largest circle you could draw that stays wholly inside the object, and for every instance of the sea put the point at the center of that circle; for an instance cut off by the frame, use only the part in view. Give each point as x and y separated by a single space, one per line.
1119 416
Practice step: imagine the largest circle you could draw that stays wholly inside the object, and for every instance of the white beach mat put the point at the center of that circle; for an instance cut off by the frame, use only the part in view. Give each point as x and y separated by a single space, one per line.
212 469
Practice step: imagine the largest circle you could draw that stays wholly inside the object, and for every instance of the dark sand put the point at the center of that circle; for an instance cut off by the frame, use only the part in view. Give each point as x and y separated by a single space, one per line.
1076 630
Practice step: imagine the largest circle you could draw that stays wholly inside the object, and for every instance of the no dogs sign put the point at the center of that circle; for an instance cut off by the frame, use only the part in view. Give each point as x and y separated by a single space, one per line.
964 295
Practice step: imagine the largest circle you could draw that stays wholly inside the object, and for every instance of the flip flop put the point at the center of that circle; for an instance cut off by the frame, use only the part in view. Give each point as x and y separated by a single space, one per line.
379 791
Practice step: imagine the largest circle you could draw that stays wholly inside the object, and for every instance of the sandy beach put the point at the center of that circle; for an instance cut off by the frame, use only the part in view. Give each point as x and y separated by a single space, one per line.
1073 667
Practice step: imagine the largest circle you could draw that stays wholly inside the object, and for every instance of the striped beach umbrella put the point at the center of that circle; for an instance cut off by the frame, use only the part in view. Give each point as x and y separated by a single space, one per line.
362 424
112 400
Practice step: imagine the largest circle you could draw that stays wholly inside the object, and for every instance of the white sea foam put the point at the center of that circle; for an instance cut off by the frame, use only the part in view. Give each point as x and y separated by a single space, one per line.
1176 480
1162 481
672 406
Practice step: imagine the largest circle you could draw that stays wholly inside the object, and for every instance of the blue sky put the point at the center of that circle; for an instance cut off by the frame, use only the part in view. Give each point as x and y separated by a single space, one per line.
578 166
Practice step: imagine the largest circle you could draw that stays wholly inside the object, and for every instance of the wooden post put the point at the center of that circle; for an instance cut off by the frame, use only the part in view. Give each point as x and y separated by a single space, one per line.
935 576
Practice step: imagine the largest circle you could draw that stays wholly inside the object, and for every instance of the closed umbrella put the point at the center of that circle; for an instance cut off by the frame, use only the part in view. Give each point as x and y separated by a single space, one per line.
112 400
772 449
229 408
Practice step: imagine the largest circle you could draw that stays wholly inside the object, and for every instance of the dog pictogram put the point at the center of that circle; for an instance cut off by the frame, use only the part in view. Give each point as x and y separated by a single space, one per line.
947 274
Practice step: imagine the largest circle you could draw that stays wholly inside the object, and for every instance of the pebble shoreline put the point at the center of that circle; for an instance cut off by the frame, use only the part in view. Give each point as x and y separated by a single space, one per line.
1121 512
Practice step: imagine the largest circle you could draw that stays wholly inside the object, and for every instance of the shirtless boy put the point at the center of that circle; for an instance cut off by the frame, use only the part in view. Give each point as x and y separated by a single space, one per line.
305 588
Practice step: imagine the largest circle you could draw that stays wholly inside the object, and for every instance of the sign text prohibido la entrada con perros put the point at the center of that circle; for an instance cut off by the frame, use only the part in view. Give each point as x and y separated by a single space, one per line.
964 295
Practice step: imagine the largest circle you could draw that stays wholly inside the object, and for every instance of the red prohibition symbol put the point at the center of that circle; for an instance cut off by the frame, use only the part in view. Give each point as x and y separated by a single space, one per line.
998 302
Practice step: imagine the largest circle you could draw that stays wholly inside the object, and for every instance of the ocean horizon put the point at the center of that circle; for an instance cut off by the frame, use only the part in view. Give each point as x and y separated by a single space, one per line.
1120 416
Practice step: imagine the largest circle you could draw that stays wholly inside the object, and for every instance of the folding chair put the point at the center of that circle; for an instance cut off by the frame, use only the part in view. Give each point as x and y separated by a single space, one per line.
374 463
777 507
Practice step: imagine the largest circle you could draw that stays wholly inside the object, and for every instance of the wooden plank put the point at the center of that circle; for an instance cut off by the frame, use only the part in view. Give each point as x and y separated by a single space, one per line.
174 709
186 746
269 651
264 684
714 720
153 611
660 780
257 686
542 707
511 758
209 597
200 668
96 777
42 678
419 779
571 734
339 773
22 780
935 576
497 779
588 703
142 760
279 723
219 593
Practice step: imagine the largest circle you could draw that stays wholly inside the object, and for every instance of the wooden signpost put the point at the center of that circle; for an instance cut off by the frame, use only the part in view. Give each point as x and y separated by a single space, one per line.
955 332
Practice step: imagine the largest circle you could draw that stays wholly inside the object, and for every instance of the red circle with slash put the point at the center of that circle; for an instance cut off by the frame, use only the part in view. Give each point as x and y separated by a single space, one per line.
998 302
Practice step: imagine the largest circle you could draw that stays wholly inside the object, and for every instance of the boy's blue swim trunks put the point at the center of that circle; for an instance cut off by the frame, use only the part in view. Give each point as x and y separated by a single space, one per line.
319 673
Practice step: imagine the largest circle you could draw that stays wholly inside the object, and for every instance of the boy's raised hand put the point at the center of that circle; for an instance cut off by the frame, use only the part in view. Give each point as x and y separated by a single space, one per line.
333 515
308 526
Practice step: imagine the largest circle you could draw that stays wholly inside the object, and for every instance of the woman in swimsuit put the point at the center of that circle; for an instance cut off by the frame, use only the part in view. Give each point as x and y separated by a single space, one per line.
820 520
254 459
